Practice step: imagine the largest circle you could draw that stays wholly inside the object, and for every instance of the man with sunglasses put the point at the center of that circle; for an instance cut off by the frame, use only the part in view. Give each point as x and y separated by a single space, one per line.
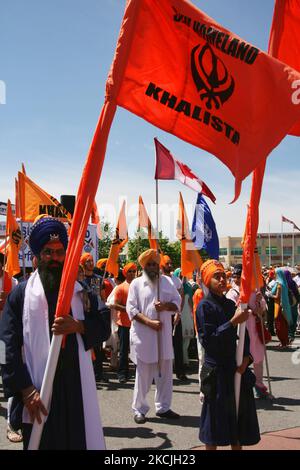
26 328
152 299
123 321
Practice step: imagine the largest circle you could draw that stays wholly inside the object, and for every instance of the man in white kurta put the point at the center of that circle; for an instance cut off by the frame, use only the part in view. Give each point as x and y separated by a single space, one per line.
151 346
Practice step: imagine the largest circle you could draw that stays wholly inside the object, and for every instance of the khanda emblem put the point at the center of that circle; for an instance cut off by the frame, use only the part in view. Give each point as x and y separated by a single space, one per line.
16 236
211 77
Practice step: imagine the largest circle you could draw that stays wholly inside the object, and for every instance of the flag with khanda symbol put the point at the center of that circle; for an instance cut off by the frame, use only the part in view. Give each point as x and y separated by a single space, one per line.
188 75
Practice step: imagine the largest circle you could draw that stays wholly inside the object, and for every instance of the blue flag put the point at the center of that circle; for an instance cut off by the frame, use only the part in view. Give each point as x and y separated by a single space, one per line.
204 230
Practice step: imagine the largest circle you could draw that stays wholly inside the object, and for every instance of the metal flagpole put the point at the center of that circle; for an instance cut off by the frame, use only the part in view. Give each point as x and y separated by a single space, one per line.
281 241
293 260
270 252
158 287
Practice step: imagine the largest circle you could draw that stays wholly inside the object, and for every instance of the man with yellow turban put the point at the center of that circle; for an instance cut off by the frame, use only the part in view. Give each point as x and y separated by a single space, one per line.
217 319
123 321
152 299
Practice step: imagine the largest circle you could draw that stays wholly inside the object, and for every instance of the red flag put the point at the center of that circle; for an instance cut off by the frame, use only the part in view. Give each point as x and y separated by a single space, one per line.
284 41
191 77
168 168
284 219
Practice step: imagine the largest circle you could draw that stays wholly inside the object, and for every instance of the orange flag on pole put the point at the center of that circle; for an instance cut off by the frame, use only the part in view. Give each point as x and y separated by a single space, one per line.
189 76
257 281
34 201
190 257
120 240
249 245
145 222
284 42
13 235
17 199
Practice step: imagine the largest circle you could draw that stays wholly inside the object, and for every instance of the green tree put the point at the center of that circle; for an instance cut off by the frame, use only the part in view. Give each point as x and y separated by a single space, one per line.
106 239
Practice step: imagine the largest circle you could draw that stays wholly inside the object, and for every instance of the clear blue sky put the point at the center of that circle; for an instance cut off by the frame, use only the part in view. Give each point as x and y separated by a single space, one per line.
55 57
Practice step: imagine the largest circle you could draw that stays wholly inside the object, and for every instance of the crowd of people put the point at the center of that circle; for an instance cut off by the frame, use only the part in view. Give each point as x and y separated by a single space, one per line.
143 320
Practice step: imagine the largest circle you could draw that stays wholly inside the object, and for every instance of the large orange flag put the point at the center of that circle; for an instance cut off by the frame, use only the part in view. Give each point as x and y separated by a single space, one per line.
284 41
145 222
34 201
120 240
193 78
13 234
190 257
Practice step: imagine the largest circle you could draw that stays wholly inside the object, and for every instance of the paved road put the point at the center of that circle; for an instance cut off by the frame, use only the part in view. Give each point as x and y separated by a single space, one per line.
121 432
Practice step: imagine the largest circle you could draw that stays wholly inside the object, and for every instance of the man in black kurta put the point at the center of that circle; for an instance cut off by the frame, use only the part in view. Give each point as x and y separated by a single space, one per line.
65 425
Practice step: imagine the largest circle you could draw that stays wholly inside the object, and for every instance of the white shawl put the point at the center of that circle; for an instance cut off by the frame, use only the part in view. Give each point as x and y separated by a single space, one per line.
36 349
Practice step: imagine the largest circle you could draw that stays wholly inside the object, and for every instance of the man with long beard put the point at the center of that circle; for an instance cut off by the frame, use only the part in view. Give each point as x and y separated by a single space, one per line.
152 299
27 324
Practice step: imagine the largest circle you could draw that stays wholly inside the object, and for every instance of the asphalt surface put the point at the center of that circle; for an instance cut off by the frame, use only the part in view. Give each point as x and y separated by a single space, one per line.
121 432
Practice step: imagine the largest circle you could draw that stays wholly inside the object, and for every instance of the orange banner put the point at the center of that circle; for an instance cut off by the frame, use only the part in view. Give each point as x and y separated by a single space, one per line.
34 201
190 257
13 234
145 222
120 240
248 280
191 77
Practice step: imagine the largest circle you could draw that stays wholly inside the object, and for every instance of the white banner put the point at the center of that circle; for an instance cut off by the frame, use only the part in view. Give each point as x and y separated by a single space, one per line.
90 242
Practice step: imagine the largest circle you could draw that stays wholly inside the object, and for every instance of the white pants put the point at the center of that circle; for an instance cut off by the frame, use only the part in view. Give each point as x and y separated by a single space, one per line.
145 373
185 347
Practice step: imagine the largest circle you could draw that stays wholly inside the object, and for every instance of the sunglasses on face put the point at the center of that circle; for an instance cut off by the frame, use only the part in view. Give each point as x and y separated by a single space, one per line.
132 271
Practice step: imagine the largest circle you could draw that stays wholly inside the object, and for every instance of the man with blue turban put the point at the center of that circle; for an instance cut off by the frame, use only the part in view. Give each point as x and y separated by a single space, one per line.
26 328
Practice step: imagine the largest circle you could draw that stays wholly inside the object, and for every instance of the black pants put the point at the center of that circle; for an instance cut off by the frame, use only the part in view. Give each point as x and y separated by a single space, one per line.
123 332
270 316
98 363
178 348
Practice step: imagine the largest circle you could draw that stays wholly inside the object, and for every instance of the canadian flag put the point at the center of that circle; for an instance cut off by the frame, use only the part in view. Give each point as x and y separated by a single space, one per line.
169 168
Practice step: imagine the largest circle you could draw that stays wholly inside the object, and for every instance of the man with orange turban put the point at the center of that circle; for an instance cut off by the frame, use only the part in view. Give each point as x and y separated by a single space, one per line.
123 321
152 299
217 318
108 283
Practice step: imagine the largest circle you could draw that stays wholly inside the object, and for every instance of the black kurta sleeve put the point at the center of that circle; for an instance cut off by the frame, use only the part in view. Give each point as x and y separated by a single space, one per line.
15 374
97 324
215 339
